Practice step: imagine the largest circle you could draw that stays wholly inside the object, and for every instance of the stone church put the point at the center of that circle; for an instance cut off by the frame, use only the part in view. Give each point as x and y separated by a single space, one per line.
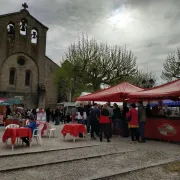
25 70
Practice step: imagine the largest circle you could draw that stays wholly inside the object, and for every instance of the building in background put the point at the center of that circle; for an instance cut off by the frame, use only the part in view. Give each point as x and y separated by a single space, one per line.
25 70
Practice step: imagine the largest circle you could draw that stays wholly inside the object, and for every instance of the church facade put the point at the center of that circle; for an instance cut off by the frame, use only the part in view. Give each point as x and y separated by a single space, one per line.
25 70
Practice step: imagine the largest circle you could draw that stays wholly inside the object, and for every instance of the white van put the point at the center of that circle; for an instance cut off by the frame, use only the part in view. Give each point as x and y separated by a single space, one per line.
67 105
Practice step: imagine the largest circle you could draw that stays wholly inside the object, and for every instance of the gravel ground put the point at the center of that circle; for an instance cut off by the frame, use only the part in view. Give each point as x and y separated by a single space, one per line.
90 168
61 155
155 173
141 155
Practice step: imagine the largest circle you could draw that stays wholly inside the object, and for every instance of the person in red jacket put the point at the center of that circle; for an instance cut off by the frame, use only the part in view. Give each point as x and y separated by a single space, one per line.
133 123
104 123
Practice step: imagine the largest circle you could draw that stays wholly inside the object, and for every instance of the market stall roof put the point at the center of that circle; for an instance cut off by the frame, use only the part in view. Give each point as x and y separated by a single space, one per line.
116 93
169 103
2 99
11 101
170 90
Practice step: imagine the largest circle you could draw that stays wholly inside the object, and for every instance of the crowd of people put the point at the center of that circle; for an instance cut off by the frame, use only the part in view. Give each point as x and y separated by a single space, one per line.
104 120
101 121
56 115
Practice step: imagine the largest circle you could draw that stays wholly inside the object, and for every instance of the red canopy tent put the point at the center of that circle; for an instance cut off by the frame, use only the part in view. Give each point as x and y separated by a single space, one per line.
170 90
116 93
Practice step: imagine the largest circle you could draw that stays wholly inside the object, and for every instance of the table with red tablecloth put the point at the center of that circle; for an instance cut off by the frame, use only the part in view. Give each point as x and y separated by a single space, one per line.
73 129
44 127
163 129
14 133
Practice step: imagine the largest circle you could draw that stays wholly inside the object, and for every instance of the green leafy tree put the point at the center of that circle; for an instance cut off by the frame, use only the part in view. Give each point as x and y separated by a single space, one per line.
172 66
68 82
97 63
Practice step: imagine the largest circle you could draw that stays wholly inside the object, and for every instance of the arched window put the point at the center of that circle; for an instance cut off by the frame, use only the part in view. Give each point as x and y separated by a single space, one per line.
28 78
23 27
12 76
34 36
11 29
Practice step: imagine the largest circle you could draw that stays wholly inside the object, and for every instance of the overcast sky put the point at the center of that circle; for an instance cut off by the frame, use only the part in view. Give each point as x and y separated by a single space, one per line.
150 28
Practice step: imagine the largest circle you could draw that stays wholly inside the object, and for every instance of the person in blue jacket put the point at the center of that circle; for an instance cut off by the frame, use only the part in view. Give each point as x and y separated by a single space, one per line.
32 126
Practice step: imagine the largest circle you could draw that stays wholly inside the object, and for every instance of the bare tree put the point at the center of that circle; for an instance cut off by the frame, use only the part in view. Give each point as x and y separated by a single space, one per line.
172 66
99 63
143 79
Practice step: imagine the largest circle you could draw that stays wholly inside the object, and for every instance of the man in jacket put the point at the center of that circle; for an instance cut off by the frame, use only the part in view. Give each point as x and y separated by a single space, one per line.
32 125
94 118
141 119
110 117
116 118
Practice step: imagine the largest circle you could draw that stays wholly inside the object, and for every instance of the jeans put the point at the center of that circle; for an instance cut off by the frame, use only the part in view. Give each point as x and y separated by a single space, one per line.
141 130
81 121
93 130
57 120
134 133
104 128
118 123
47 118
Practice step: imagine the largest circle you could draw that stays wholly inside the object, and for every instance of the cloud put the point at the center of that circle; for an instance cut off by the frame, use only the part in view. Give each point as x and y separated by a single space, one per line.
150 28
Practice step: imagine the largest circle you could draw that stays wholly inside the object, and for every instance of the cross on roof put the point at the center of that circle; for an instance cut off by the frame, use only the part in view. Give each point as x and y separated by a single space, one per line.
24 5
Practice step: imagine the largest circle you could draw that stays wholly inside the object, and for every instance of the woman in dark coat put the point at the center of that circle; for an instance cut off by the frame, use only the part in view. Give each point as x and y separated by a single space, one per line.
104 123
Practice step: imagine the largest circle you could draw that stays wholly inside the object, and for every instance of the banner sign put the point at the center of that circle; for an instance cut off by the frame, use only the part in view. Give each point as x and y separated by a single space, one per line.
41 116
162 129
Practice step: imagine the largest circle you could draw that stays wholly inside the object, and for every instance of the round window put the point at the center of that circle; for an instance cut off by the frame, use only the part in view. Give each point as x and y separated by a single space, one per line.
21 62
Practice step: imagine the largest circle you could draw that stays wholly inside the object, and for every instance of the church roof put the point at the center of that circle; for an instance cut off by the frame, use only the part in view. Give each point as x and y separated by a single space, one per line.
20 12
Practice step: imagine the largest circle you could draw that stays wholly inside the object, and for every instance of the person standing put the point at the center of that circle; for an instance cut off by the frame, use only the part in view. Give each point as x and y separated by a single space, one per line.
48 114
104 123
81 114
57 116
124 122
116 118
93 118
53 114
8 111
34 113
133 124
73 114
142 120
81 118
110 117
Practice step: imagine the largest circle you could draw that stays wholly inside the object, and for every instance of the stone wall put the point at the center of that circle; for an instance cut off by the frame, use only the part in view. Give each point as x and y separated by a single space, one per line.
41 67
51 89
19 86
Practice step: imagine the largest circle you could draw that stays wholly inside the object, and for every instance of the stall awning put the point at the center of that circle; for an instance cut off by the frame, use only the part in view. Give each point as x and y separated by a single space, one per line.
170 90
116 93
2 99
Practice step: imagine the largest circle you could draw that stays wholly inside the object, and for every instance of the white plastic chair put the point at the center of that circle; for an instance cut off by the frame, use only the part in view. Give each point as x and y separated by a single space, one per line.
51 130
12 126
37 133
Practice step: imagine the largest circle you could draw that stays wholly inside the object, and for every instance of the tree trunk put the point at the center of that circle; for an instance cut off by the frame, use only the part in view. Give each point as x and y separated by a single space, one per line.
96 86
